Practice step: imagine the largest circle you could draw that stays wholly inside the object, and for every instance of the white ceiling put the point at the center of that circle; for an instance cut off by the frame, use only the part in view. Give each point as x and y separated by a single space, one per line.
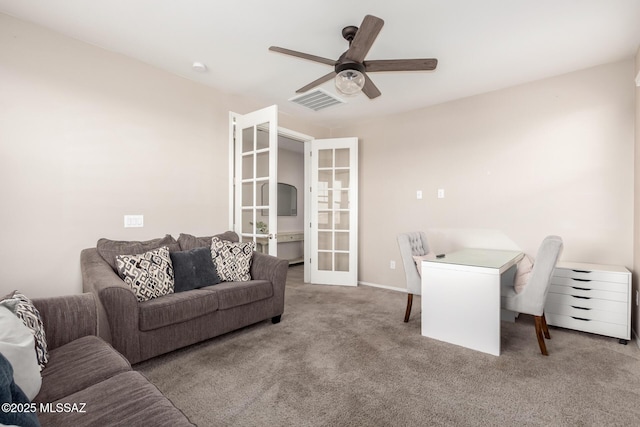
481 45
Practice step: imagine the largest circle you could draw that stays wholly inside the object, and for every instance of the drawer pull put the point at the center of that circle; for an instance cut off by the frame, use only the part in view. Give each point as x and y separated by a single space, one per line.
578 296
581 289
581 318
581 280
580 308
581 271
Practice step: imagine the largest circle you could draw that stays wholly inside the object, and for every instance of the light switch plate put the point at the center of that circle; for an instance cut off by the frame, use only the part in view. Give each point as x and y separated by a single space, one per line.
133 221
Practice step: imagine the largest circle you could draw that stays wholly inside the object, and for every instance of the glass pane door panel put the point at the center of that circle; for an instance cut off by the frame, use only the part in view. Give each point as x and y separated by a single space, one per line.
247 140
342 241
247 193
325 220
341 199
325 241
325 158
342 179
342 157
263 196
247 219
325 179
342 220
261 227
247 166
342 262
325 261
262 165
324 199
263 136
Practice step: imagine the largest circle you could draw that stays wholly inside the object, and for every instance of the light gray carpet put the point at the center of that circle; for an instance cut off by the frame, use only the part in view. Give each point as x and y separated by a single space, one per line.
343 357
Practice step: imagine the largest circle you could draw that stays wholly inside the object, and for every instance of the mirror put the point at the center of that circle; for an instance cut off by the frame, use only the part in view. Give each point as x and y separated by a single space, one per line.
287 199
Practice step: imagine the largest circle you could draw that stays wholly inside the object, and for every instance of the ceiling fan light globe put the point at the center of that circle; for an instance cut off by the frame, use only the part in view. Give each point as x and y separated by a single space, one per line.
349 82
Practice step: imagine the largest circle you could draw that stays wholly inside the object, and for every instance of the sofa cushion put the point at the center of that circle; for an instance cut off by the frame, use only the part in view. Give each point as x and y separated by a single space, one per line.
188 242
23 307
193 269
233 294
109 249
17 344
150 275
232 259
127 399
77 365
176 308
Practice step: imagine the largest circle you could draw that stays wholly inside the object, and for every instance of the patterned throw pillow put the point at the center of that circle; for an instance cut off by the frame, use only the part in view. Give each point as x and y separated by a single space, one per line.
150 274
22 307
232 260
522 274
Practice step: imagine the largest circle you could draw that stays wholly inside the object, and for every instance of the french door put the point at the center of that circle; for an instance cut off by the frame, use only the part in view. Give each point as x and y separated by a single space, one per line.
334 211
255 196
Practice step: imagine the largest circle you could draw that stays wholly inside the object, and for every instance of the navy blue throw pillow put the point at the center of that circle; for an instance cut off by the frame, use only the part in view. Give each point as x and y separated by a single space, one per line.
10 393
193 269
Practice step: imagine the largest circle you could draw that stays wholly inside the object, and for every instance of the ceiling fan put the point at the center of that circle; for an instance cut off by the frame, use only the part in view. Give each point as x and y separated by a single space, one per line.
350 70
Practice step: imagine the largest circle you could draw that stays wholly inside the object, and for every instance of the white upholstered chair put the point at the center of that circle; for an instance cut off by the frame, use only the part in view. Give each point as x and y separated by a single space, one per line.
532 298
412 244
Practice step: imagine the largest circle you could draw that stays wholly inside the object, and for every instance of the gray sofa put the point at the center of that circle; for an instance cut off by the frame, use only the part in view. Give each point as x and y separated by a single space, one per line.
86 371
142 330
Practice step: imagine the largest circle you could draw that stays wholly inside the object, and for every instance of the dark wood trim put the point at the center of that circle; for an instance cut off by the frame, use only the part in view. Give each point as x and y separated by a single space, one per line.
545 328
539 334
409 304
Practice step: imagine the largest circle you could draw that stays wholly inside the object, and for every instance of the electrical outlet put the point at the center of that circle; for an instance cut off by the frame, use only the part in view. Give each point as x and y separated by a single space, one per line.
419 194
392 265
440 193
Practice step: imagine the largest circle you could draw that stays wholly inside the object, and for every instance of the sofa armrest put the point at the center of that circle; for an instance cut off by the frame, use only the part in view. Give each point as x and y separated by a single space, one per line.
267 267
67 318
118 303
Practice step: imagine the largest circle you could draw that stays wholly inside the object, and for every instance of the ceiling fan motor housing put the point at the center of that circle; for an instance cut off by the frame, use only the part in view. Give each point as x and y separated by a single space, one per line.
349 65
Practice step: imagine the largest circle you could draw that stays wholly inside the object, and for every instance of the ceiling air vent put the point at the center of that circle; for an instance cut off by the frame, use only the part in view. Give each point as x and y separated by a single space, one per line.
317 99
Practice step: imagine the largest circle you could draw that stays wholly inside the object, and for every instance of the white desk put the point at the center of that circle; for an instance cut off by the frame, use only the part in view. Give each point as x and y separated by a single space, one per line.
461 297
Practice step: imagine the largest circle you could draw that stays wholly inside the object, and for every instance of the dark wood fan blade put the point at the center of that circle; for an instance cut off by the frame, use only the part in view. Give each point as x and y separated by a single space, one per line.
370 89
364 38
303 55
317 82
401 65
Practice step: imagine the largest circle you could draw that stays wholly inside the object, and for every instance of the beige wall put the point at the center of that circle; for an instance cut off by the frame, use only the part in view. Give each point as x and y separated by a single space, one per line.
636 238
87 136
549 157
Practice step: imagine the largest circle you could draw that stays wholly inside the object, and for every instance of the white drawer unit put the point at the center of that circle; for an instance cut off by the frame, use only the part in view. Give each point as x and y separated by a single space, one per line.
591 298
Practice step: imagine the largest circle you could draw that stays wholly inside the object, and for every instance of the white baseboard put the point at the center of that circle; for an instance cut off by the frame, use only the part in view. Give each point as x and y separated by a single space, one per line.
375 285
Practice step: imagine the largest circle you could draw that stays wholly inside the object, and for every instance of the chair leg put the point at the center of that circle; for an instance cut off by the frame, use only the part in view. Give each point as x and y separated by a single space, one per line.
545 328
409 303
539 334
